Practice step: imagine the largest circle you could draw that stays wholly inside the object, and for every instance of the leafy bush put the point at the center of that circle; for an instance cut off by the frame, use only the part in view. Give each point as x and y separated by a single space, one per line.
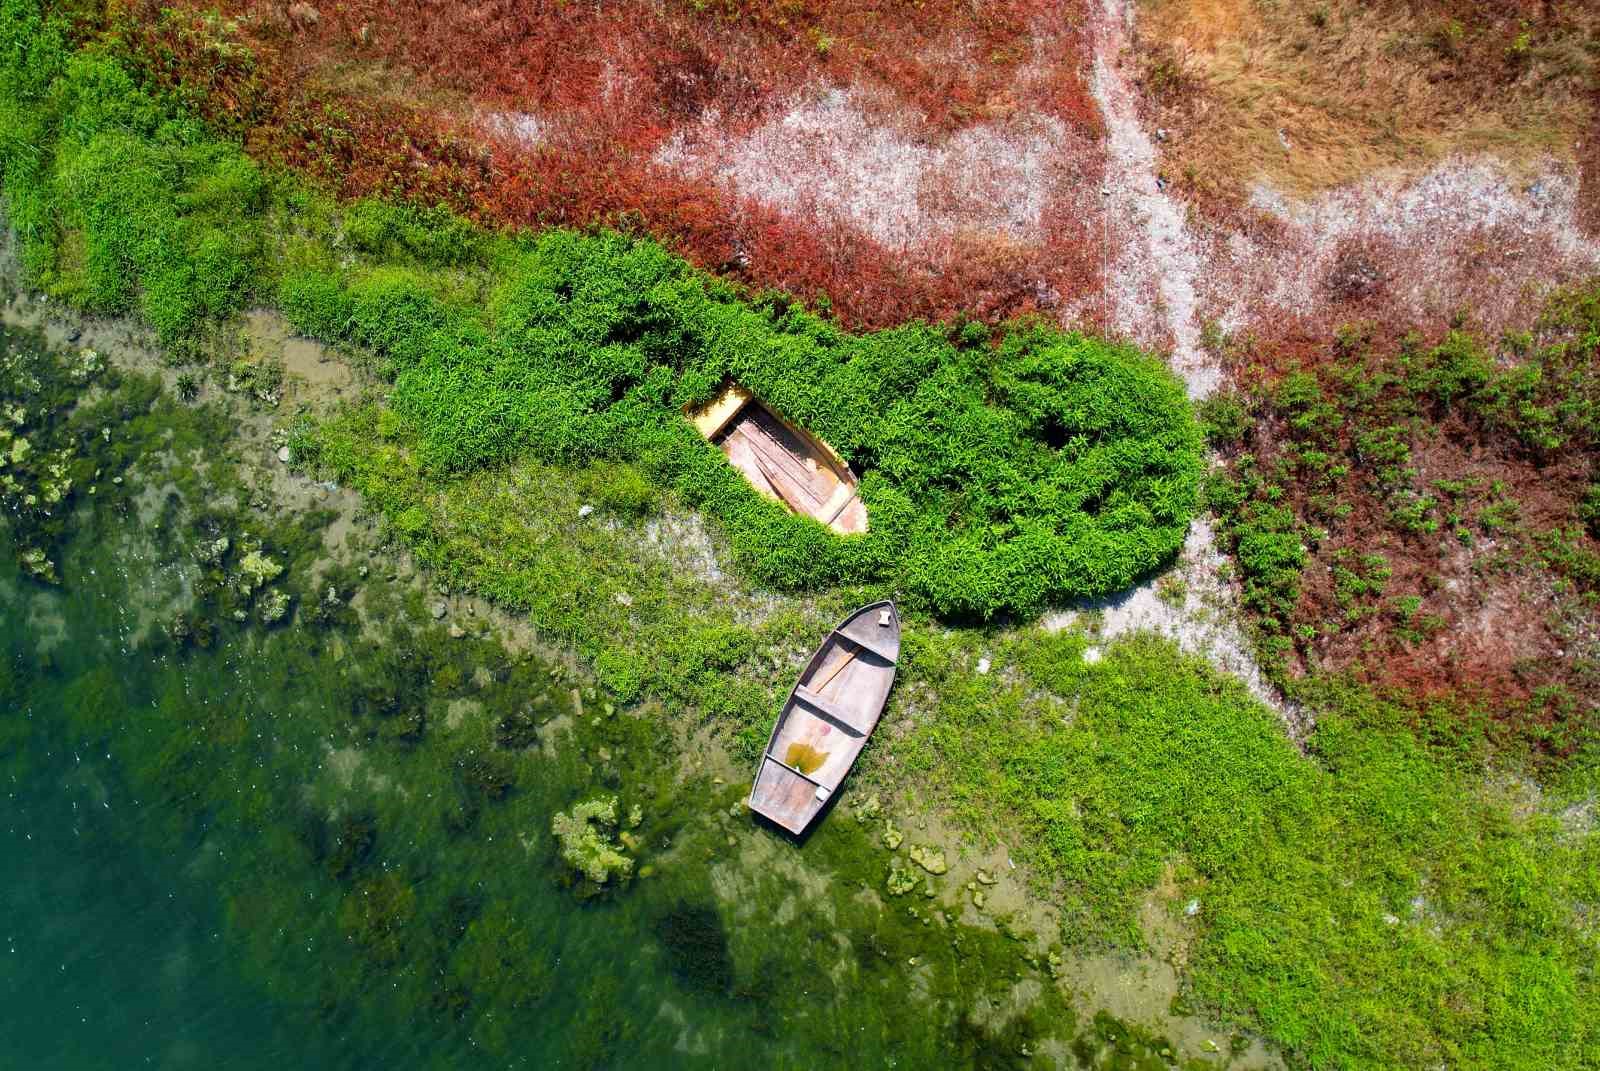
997 478
1225 419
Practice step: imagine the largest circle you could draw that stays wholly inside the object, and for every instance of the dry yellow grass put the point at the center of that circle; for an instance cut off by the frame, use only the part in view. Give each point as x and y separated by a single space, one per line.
1309 94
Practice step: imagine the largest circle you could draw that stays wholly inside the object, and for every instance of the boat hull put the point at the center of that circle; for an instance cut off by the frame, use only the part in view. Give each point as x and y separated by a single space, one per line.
828 717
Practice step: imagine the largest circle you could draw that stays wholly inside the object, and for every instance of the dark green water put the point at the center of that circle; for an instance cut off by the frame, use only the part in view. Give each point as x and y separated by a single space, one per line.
326 842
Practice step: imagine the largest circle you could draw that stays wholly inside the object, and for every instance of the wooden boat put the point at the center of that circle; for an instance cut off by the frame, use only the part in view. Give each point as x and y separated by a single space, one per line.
826 721
783 461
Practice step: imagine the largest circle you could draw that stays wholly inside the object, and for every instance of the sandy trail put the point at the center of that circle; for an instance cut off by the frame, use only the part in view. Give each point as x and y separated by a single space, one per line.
1151 285
1152 295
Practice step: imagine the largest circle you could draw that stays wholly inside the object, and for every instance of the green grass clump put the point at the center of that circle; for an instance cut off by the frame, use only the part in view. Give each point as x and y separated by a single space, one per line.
1367 905
119 203
998 478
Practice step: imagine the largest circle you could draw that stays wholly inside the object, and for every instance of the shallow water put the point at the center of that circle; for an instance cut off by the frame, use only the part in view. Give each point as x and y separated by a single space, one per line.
327 842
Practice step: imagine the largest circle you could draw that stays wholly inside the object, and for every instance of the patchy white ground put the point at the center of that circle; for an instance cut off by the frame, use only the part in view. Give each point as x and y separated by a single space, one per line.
1468 233
831 156
1153 265
522 128
1193 606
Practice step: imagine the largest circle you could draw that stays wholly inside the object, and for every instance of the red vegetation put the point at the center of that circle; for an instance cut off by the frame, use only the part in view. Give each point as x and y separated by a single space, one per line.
1470 614
1588 214
553 114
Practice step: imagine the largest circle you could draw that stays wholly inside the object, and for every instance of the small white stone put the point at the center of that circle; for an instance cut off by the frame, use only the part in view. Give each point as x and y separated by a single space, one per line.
1192 908
584 511
983 667
283 454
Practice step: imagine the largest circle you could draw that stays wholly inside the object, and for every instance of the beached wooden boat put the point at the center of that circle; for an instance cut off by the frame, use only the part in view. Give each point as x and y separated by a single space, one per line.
782 460
826 721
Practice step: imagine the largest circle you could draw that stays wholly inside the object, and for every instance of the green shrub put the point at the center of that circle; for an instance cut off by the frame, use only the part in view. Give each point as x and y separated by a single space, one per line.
618 671
620 488
119 204
997 478
1225 418
1589 509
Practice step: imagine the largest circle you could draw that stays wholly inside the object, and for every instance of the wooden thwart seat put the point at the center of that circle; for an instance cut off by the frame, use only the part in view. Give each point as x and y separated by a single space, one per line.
830 711
883 653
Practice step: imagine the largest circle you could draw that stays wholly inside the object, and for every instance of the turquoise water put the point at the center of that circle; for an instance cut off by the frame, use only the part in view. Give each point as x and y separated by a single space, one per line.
112 954
326 841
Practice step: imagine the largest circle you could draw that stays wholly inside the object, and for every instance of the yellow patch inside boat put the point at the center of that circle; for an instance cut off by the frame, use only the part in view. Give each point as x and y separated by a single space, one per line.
805 758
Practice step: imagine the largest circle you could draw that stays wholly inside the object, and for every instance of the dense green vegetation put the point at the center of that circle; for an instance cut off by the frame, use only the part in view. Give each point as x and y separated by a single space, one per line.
380 790
1372 902
1366 906
119 201
999 474
996 477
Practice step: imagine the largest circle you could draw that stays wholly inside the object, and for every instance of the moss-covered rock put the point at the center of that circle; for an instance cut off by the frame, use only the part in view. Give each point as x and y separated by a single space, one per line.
256 569
585 834
899 880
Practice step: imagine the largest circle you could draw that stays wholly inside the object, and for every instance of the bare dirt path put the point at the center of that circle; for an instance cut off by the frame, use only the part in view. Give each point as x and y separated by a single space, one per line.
1152 278
1153 264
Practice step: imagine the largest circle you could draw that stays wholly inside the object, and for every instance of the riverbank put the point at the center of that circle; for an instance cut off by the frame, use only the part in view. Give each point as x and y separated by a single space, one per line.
472 680
986 767
415 652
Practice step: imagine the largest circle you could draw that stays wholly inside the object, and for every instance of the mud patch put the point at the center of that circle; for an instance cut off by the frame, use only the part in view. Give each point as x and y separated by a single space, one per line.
272 336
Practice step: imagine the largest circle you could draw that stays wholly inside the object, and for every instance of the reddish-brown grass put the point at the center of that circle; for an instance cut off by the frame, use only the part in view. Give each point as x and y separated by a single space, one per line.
1493 627
538 115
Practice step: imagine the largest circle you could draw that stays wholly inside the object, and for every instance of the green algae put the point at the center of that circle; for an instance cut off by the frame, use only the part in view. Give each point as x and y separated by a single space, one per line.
805 758
696 943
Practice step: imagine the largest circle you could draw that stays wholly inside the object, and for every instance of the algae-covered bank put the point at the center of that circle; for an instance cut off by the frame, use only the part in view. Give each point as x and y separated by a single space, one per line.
265 792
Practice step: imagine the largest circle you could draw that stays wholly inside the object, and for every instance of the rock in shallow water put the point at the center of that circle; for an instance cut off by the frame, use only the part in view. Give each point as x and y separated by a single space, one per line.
930 859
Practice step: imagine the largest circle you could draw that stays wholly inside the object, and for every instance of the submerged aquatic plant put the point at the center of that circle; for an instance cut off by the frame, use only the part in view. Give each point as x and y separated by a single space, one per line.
48 443
585 834
697 947
273 606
